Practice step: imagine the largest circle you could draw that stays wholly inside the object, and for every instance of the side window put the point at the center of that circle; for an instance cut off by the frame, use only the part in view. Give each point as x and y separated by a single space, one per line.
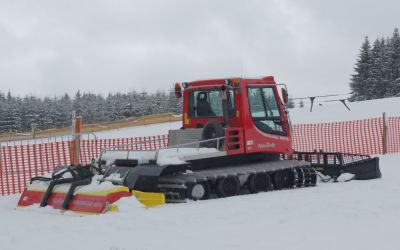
207 103
270 102
265 110
215 103
256 103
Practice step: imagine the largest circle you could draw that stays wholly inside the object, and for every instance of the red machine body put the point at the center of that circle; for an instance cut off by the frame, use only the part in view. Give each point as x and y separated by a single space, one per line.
257 116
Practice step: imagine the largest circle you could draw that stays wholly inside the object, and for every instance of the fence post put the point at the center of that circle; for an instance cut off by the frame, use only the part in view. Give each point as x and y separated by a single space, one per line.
1 173
75 144
384 136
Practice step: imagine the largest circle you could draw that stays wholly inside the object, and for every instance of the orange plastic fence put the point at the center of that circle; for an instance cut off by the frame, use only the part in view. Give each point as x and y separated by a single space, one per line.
353 137
92 148
394 134
19 162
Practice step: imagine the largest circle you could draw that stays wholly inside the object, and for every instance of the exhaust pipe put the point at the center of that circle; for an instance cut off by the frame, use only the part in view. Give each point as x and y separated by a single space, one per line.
225 111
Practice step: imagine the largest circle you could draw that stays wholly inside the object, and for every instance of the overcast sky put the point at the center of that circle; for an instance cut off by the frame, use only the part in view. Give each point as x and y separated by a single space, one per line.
51 47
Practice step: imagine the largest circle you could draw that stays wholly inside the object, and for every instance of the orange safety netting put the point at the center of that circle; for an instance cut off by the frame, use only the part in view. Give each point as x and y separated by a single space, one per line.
19 162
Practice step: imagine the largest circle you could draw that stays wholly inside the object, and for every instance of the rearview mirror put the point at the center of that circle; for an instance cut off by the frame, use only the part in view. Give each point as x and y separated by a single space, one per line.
284 96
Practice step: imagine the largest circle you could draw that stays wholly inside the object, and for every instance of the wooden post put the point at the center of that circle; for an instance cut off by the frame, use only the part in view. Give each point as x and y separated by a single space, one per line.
78 129
76 137
73 145
384 136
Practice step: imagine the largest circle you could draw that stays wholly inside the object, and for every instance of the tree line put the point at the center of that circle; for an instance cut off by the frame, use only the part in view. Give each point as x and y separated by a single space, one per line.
20 114
377 69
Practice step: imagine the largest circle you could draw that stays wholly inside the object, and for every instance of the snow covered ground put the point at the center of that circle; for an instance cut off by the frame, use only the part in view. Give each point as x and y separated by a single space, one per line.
146 130
347 215
136 131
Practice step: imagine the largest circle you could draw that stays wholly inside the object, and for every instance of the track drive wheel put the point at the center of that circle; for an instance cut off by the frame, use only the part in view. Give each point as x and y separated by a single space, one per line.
228 186
198 191
307 176
259 182
300 177
313 176
277 179
283 178
289 175
212 130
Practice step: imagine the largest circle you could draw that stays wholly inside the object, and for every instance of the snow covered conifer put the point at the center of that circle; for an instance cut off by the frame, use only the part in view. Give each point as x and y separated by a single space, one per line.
360 79
394 58
377 84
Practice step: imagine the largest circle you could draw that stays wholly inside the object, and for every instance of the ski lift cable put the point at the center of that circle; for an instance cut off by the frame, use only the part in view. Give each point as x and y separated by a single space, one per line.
312 98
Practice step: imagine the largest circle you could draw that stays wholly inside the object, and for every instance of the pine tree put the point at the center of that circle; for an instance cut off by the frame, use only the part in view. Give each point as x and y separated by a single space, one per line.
47 110
174 104
11 118
385 66
29 114
77 103
65 107
3 124
361 80
394 59
19 115
377 84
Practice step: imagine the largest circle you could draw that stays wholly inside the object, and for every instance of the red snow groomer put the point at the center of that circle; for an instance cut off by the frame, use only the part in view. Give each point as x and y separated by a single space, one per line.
235 139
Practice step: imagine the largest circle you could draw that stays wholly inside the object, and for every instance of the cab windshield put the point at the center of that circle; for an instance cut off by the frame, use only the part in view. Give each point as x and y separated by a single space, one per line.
264 110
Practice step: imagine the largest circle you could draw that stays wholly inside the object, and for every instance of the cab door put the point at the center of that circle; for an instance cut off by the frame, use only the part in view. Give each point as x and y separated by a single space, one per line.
265 130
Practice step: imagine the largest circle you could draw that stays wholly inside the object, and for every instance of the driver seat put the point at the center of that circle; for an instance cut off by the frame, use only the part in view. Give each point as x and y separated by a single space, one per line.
203 106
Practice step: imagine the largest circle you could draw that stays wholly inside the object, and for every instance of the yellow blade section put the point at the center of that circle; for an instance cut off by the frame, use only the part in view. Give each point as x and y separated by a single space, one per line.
149 199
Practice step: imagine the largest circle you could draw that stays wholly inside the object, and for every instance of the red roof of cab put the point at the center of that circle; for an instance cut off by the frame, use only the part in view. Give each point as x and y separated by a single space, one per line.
268 78
206 82
222 81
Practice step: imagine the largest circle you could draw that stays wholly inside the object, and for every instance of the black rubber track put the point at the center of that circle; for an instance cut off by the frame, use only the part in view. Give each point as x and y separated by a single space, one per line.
282 174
